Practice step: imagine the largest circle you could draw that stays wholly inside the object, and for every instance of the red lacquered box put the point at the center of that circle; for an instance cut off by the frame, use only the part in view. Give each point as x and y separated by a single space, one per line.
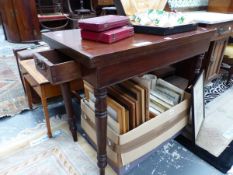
103 23
109 36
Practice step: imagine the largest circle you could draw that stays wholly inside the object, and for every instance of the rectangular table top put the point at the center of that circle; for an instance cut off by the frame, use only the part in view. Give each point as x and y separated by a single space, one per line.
95 54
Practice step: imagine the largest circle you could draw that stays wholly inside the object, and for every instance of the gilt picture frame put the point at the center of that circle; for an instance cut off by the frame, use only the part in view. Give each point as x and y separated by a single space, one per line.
198 107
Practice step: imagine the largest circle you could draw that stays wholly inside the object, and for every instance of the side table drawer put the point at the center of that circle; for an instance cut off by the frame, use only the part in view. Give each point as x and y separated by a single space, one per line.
57 67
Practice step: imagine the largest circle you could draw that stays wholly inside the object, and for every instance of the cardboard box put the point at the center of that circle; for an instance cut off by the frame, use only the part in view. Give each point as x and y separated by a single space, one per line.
126 148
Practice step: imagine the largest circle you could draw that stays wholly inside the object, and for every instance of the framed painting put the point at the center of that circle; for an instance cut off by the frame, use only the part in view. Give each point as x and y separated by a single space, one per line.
198 108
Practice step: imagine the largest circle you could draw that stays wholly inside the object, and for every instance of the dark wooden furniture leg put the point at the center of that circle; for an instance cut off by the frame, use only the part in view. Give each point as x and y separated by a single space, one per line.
198 66
66 94
101 127
197 70
230 72
4 30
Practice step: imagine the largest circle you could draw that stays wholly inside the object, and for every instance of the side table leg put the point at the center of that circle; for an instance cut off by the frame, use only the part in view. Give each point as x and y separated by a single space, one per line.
46 114
28 93
198 66
66 94
45 108
197 71
101 127
229 75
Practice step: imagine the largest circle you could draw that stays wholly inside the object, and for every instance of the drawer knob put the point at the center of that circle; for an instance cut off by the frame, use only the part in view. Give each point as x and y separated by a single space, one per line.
41 65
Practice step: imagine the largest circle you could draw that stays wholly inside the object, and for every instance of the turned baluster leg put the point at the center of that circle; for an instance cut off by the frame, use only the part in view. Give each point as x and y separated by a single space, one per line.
197 70
230 72
198 66
66 94
101 127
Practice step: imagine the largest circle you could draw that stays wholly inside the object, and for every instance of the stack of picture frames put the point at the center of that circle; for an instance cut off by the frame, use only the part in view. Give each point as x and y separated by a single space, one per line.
135 101
162 95
127 105
137 123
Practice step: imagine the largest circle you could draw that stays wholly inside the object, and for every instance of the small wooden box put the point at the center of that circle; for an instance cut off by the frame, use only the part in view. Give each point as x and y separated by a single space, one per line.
126 148
103 23
110 36
57 67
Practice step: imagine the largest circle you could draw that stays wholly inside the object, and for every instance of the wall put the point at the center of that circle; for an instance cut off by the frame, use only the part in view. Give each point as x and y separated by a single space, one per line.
187 3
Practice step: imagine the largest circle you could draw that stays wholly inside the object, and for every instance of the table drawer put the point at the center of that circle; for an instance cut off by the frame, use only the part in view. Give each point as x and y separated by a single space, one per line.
57 67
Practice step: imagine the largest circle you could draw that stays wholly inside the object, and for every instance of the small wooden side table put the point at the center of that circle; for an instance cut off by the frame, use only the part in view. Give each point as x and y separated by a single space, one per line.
104 65
35 80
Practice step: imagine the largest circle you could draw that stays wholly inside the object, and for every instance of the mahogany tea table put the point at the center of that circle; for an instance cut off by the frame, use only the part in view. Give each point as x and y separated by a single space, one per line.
103 65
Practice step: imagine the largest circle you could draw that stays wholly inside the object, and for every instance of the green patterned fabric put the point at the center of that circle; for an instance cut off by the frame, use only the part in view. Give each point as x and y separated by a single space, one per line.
159 18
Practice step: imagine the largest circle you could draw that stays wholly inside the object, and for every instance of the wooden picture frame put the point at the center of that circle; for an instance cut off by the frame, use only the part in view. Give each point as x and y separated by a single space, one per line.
139 93
198 107
116 111
129 96
143 83
130 105
114 125
165 84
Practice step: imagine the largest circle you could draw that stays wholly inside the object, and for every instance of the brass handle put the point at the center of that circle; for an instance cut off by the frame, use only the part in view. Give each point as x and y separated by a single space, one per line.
222 31
212 59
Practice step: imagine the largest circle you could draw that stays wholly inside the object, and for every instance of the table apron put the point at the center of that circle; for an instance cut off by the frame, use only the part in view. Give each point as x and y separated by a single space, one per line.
116 73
